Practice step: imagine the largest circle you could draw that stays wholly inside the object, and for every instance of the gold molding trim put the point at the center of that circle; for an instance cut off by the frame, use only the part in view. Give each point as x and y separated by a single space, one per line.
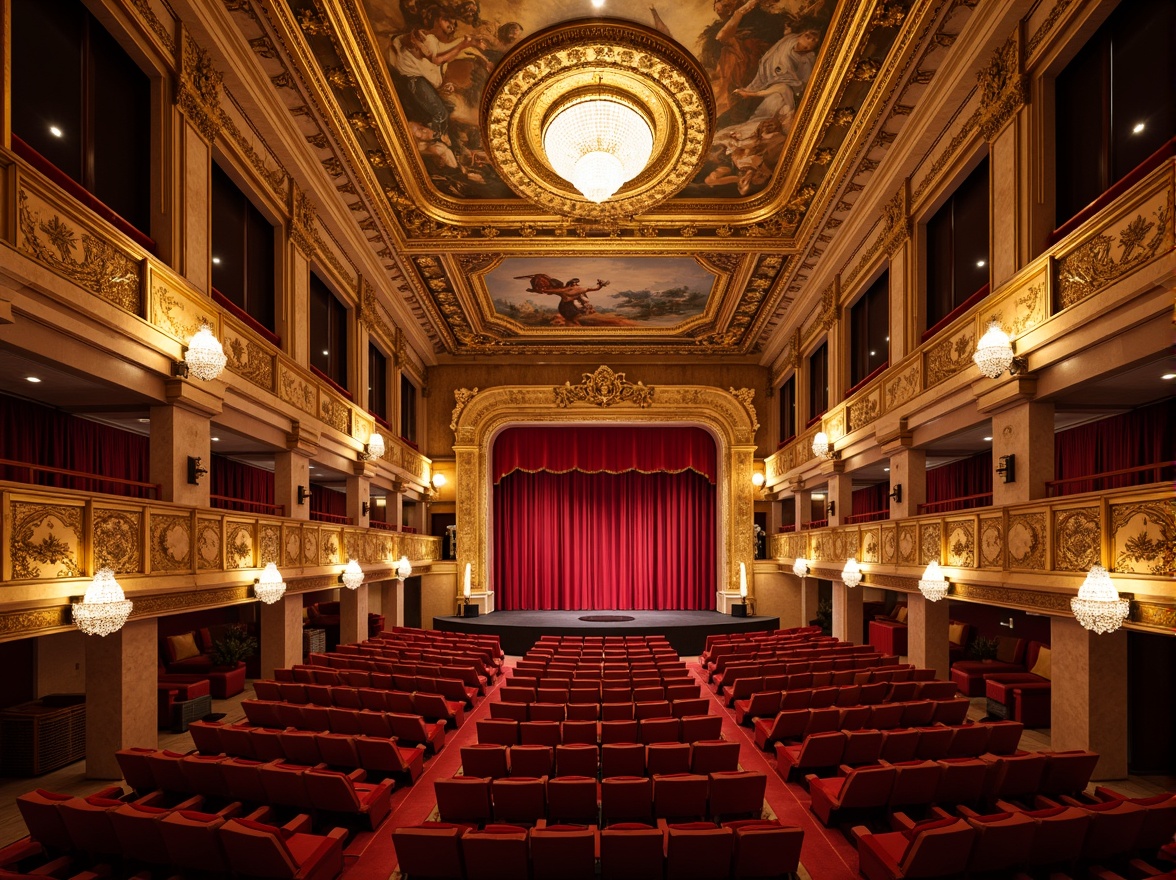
605 387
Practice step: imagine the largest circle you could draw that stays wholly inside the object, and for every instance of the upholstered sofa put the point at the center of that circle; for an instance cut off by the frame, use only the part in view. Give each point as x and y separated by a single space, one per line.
176 689
889 634
188 655
1023 696
969 675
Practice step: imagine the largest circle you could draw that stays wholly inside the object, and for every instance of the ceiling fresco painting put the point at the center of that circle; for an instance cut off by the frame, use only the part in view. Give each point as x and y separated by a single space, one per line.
612 292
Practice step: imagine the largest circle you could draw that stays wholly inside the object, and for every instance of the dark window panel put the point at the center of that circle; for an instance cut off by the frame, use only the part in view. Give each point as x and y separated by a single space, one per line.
869 327
408 406
957 247
328 332
377 383
818 381
788 409
242 251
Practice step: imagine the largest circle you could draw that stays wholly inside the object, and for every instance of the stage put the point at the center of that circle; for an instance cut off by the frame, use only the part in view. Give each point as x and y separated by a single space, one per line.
685 630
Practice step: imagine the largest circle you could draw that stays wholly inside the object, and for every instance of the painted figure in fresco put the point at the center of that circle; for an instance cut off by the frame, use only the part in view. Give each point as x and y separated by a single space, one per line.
781 76
573 299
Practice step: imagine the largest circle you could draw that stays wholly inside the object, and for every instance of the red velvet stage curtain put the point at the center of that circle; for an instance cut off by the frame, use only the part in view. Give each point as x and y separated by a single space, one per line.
46 436
626 534
959 479
234 479
1142 436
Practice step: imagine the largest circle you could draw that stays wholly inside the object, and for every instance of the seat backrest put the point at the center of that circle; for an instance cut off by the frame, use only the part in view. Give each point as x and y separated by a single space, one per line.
485 759
915 782
631 850
258 850
578 759
463 799
862 747
41 815
680 796
495 851
867 787
1060 834
626 799
284 785
1067 772
1003 840
698 850
962 780
939 851
191 840
736 793
1004 737
713 756
563 852
1114 827
622 759
934 742
519 799
765 849
572 799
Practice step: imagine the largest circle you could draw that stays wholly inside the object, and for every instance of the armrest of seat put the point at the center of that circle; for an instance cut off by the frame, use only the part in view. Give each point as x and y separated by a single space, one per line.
356 775
857 832
900 821
1108 794
157 798
300 824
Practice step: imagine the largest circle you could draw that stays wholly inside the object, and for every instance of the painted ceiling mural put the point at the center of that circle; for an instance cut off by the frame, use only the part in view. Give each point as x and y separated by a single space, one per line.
809 94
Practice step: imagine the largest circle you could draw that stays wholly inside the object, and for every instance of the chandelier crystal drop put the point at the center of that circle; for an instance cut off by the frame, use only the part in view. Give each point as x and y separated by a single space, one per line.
104 609
932 584
352 575
270 587
851 575
205 356
1097 605
375 446
800 567
598 145
994 351
821 444
404 568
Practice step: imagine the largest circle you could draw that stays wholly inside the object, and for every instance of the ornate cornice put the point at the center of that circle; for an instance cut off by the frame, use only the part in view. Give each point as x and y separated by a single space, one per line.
1004 88
198 86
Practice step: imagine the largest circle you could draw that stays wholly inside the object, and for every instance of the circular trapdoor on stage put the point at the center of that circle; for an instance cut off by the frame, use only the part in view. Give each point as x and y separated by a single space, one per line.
607 618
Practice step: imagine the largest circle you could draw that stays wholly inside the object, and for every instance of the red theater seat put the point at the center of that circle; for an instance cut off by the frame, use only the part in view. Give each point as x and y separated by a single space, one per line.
258 850
563 852
939 848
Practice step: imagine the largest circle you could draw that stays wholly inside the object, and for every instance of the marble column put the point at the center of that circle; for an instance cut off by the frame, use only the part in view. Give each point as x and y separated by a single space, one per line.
359 492
847 612
908 468
809 591
927 644
392 602
353 614
804 506
121 696
1088 697
181 429
292 470
281 634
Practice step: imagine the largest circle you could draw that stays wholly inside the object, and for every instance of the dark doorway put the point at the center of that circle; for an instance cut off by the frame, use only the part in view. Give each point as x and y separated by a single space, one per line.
412 602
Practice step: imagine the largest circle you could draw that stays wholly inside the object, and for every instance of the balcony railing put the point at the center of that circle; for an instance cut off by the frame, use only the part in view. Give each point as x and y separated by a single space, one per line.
960 502
1057 487
32 469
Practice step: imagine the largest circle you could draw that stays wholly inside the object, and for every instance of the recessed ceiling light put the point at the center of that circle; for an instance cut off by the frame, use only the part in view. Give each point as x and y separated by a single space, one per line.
980 264
32 379
1168 376
987 439
56 132
597 4
885 470
817 496
312 467
325 351
144 421
871 354
1139 126
216 439
216 261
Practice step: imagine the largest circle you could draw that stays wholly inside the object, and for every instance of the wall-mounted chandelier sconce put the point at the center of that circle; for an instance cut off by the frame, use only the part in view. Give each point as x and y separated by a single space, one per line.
994 354
270 587
374 449
822 448
104 608
204 357
1007 468
851 575
933 585
1098 606
196 469
351 576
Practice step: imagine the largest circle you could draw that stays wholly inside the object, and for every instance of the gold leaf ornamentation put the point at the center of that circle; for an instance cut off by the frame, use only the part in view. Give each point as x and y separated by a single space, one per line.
605 387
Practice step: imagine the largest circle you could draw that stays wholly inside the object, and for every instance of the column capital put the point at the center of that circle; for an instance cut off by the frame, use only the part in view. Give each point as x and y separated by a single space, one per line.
1013 391
302 441
892 433
364 469
205 399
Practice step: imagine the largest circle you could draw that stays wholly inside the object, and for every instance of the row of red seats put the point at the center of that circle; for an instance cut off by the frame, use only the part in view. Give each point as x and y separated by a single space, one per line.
823 751
307 674
552 733
435 637
522 690
763 635
383 755
615 759
1092 832
348 697
736 850
745 686
310 789
344 655
672 797
374 664
409 729
101 829
27 860
807 652
621 711
727 672
581 667
796 724
886 786
763 704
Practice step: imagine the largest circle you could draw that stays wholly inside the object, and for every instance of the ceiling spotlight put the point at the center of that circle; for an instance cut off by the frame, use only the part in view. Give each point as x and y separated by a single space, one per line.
1138 127
1168 376
215 439
885 470
32 379
57 132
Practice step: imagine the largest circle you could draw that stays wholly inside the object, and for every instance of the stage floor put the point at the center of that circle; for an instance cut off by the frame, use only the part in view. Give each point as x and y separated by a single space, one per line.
685 630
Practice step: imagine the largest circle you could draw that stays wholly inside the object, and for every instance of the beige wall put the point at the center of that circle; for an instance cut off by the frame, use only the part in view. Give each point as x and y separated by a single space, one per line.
61 664
445 379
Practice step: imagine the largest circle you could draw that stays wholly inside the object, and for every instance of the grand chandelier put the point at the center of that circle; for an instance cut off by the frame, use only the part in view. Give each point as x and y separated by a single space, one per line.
1097 605
598 118
270 587
800 567
851 575
598 145
404 568
994 353
104 609
933 585
205 357
352 575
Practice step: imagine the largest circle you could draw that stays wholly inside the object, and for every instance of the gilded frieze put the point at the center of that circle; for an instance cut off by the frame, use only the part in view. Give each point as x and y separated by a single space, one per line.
1151 614
176 314
335 413
100 267
171 542
295 390
991 542
930 542
961 543
1003 87
1026 541
210 551
1077 537
890 544
851 546
954 353
863 410
904 386
30 622
310 545
604 387
907 543
330 547
118 540
1127 242
1013 597
871 543
169 603
239 546
1143 537
1023 308
46 540
269 543
248 359
292 545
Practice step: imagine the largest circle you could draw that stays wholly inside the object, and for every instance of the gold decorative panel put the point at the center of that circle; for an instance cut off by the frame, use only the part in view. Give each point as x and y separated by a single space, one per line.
310 545
849 546
902 387
930 542
890 544
335 413
239 545
269 544
118 540
249 359
1026 541
171 542
871 544
1144 537
296 390
331 547
1077 537
291 545
46 540
992 542
209 544
864 409
907 543
1022 308
176 313
952 354
961 542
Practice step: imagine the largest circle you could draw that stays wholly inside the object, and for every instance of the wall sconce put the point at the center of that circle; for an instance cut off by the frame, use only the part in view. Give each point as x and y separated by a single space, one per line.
1098 606
303 494
374 448
196 469
270 587
1008 469
896 493
831 508
1008 623
351 576
823 448
204 356
104 608
403 569
438 480
364 507
800 567
933 585
757 479
851 575
994 353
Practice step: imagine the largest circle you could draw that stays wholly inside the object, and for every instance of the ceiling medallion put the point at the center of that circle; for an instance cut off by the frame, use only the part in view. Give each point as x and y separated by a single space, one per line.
594 75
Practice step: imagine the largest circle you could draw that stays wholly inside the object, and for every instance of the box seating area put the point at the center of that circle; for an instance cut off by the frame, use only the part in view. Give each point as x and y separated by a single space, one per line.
827 751
107 834
741 849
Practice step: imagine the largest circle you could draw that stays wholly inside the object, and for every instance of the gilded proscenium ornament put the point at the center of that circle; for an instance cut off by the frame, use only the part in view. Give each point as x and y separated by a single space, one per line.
535 79
604 388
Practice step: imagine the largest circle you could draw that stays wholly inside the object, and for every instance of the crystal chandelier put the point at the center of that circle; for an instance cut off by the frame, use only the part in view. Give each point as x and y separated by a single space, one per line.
104 609
375 447
932 584
994 353
851 575
800 567
352 575
598 145
822 448
403 568
270 587
205 357
1097 605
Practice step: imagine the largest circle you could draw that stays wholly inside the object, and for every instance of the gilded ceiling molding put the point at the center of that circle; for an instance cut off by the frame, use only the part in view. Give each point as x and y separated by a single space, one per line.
1004 88
603 388
746 396
147 13
303 220
725 416
198 85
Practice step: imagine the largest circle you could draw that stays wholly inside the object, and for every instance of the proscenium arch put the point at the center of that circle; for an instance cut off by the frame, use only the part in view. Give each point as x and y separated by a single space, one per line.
728 416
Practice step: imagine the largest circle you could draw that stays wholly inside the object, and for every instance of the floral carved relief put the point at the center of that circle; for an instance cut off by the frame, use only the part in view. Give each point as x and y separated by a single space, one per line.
1077 536
117 541
292 546
329 548
890 545
903 387
249 360
862 412
961 543
1144 537
239 547
171 543
953 354
208 544
177 315
870 545
336 414
930 540
310 546
269 544
296 391
906 543
992 542
1026 541
46 541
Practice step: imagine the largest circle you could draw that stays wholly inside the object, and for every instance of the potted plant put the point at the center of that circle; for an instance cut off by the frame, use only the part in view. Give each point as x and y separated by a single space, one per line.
234 646
824 618
982 648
